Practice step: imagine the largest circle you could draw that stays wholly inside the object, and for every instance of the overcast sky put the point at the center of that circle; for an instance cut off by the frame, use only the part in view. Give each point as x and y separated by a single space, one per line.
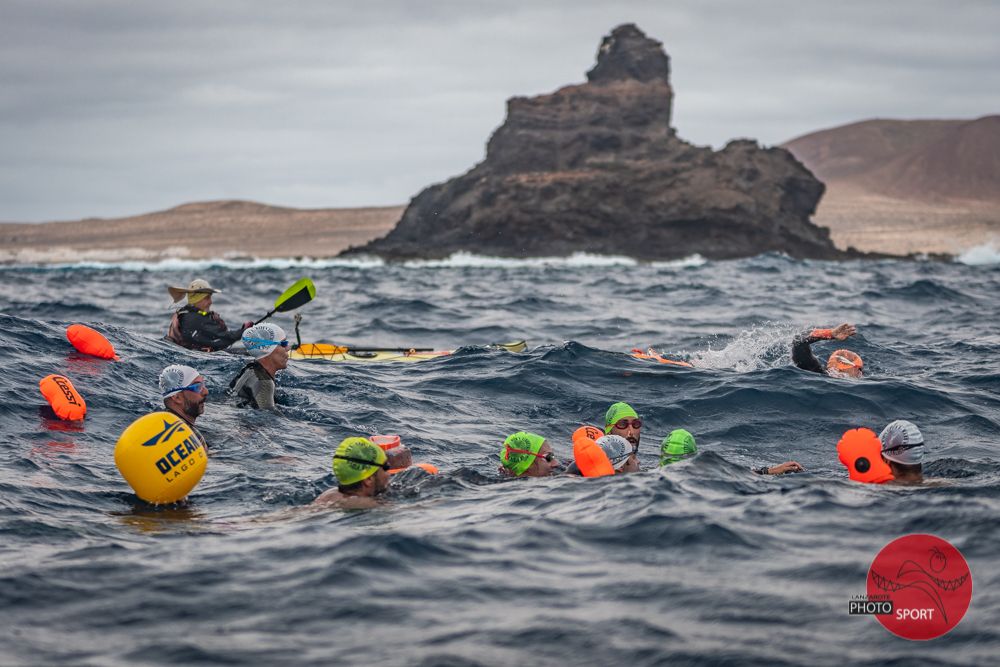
119 107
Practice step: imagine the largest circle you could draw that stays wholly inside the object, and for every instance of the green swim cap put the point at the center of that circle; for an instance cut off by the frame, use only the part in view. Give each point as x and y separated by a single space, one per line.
348 460
616 412
677 446
518 463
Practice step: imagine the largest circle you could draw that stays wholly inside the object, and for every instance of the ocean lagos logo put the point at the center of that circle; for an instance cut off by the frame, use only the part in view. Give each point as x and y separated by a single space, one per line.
919 587
164 435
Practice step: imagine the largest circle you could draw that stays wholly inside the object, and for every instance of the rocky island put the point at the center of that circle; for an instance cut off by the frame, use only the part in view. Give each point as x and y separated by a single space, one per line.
598 168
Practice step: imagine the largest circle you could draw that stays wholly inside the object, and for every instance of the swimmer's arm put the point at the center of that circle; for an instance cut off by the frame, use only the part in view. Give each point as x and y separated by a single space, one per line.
802 354
780 469
334 498
264 396
206 332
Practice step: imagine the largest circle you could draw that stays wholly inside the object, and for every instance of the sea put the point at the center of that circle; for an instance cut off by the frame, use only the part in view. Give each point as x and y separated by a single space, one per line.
702 562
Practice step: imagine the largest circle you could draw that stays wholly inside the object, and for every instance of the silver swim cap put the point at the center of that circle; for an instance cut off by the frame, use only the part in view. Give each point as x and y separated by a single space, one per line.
902 443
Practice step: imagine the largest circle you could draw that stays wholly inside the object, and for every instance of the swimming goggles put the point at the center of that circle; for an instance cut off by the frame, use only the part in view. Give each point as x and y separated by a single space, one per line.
254 343
196 388
901 448
550 457
384 465
624 423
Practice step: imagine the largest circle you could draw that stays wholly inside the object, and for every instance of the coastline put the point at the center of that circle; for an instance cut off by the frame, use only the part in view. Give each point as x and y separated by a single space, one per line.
248 230
207 230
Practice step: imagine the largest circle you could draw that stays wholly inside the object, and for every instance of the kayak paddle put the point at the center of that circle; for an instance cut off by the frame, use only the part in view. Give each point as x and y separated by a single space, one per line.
296 296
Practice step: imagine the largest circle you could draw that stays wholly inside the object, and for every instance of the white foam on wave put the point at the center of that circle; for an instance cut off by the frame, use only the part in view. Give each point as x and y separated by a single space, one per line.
129 261
980 255
461 260
762 346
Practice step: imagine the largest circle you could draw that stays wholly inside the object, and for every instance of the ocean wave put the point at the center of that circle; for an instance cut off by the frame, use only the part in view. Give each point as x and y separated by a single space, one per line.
980 255
131 262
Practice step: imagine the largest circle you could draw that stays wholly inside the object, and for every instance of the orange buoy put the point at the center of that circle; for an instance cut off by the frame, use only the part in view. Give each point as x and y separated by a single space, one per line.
861 451
587 431
591 459
88 341
65 400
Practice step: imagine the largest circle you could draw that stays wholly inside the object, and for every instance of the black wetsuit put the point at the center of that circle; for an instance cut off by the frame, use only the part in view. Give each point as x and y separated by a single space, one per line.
201 330
253 388
802 354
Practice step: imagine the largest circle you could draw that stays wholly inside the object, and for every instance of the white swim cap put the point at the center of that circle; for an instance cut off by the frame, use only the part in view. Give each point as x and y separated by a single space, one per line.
616 448
174 379
261 339
902 443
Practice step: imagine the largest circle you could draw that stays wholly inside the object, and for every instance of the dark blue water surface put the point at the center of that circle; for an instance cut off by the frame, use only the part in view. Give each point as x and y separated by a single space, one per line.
703 562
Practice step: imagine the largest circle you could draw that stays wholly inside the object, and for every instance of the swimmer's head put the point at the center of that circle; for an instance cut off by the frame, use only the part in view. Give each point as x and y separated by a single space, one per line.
617 449
902 443
357 460
845 362
184 391
527 454
616 413
677 446
262 340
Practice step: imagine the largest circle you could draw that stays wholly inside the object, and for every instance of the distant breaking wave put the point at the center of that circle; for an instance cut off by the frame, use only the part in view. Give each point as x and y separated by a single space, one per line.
456 261
980 255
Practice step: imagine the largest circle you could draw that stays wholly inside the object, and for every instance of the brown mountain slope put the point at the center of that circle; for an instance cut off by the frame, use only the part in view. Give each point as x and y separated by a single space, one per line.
908 186
926 160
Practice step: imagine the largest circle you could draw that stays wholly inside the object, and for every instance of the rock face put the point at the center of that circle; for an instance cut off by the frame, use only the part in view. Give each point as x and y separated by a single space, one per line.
597 168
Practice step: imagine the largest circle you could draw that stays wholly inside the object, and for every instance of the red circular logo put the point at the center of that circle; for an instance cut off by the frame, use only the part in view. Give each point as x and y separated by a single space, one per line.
928 582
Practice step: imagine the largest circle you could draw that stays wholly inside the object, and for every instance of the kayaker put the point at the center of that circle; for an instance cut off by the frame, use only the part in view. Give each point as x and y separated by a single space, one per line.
841 362
622 419
527 455
362 472
195 325
254 386
184 391
903 450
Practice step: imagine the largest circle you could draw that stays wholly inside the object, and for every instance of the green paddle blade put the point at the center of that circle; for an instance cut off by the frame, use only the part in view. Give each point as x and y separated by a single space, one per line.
296 296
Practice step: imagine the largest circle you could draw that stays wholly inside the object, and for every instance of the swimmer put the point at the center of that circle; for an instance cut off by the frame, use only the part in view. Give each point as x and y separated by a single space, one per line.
677 446
527 455
622 419
608 455
620 452
842 363
903 450
680 445
195 325
362 472
254 386
184 391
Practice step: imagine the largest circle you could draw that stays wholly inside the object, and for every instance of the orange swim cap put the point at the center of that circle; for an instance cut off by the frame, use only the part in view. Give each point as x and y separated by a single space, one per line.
588 431
591 459
846 362
861 451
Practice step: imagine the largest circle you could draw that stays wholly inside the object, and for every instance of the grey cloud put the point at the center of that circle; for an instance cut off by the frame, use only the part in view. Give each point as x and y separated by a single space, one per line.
116 107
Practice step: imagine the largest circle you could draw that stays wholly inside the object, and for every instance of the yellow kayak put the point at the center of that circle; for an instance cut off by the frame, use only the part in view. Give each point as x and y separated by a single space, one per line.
343 353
